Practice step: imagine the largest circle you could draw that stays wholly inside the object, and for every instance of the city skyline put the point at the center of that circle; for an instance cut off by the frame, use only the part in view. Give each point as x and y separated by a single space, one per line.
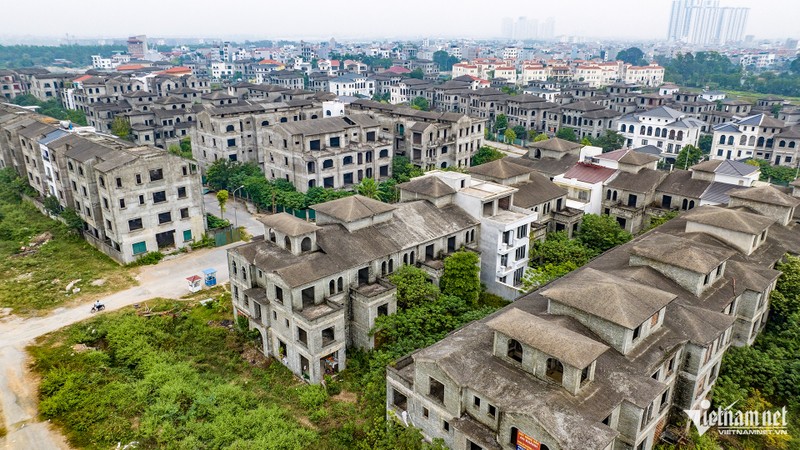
617 19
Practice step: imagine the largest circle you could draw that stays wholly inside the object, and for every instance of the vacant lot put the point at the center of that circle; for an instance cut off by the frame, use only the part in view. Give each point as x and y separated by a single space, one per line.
36 280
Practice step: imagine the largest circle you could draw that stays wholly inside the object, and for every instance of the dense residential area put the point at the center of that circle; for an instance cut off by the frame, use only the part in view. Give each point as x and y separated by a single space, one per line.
529 238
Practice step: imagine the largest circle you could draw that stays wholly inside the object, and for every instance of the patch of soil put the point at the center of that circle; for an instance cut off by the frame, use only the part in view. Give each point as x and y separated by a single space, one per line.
306 423
80 348
346 396
255 357
34 245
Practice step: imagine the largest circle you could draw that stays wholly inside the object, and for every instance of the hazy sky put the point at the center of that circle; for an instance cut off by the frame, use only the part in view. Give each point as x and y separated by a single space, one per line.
365 18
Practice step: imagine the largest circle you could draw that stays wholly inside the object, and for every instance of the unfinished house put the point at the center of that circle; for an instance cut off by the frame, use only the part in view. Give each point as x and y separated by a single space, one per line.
608 356
313 290
332 152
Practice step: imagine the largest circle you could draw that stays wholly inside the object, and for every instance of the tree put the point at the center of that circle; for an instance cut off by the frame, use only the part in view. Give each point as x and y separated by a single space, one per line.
72 219
520 131
485 155
417 73
600 233
121 128
444 60
586 141
794 66
632 55
510 135
413 286
222 199
368 188
688 156
540 137
567 134
420 103
387 191
501 123
461 277
403 170
558 249
609 141
705 142
52 205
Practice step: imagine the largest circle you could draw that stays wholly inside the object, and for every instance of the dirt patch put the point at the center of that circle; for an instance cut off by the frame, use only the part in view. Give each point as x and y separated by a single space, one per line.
34 245
80 348
346 396
306 423
255 357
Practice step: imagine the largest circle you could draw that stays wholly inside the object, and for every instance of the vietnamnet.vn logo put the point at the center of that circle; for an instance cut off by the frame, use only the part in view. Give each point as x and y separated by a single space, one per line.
733 421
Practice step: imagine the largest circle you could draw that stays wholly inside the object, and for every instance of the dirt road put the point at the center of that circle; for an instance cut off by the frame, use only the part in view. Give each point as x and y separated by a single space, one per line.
18 388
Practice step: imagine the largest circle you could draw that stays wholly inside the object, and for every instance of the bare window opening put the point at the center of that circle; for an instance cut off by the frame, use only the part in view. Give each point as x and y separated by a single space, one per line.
308 296
279 294
585 375
436 390
504 203
637 332
515 350
314 144
334 142
476 401
302 336
160 196
383 310
555 370
488 209
492 411
429 252
305 244
399 400
287 243
451 244
156 174
328 336
370 136
363 276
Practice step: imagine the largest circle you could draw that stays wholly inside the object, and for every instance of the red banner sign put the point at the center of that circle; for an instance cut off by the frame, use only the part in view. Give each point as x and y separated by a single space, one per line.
525 442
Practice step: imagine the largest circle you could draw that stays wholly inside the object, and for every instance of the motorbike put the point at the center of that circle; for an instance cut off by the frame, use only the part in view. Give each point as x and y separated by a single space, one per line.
97 308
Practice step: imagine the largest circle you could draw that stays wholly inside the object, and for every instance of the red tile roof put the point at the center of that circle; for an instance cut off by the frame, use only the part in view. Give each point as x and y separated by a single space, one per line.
130 67
589 173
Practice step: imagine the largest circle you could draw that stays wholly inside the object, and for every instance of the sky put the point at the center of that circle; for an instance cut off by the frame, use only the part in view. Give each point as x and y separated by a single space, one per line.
366 19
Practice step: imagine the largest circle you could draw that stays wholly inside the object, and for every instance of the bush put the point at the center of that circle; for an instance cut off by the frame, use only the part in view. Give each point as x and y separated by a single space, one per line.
312 396
148 258
215 222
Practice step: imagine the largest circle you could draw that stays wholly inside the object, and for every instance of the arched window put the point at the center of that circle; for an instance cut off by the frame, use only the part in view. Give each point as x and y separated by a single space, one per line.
691 204
472 236
332 287
658 132
287 243
791 144
722 139
328 112
743 140
752 141
383 154
327 164
405 258
608 194
412 257
305 244
313 116
760 142
340 284
537 154
622 128
730 140
630 128
383 268
649 131
680 135
347 160
782 143
672 134
514 350
391 265
312 183
444 165
685 204
614 196
555 370
311 167
233 267
230 128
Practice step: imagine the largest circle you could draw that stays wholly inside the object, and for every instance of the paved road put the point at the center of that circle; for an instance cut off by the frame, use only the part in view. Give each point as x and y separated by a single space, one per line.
234 212
18 393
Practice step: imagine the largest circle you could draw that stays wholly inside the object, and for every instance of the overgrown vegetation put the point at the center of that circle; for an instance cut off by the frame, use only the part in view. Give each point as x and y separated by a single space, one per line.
774 174
484 155
18 56
765 375
51 108
184 149
559 255
35 278
179 379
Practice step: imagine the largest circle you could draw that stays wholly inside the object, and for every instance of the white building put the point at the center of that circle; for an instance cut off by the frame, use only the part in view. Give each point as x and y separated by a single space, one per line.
353 85
505 229
752 137
662 127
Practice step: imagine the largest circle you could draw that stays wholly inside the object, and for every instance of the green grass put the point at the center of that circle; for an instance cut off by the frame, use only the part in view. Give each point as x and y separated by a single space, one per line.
36 283
754 96
176 381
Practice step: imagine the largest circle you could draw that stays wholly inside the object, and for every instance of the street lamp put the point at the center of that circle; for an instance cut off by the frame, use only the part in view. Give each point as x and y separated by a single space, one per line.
235 219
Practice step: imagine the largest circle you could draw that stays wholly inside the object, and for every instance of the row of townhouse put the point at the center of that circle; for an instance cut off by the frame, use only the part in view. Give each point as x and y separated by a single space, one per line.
132 199
625 184
610 355
758 136
313 290
313 143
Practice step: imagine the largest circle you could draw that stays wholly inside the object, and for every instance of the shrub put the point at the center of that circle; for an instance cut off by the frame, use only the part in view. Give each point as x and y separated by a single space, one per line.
147 259
312 396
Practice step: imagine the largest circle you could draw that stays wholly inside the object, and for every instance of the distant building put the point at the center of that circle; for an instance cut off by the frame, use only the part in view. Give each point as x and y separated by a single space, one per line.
137 46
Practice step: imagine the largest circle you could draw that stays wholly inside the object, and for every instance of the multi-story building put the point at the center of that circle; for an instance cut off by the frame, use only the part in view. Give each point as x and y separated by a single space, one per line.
353 85
662 127
651 75
131 199
505 229
10 85
587 118
331 152
754 137
314 290
601 358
